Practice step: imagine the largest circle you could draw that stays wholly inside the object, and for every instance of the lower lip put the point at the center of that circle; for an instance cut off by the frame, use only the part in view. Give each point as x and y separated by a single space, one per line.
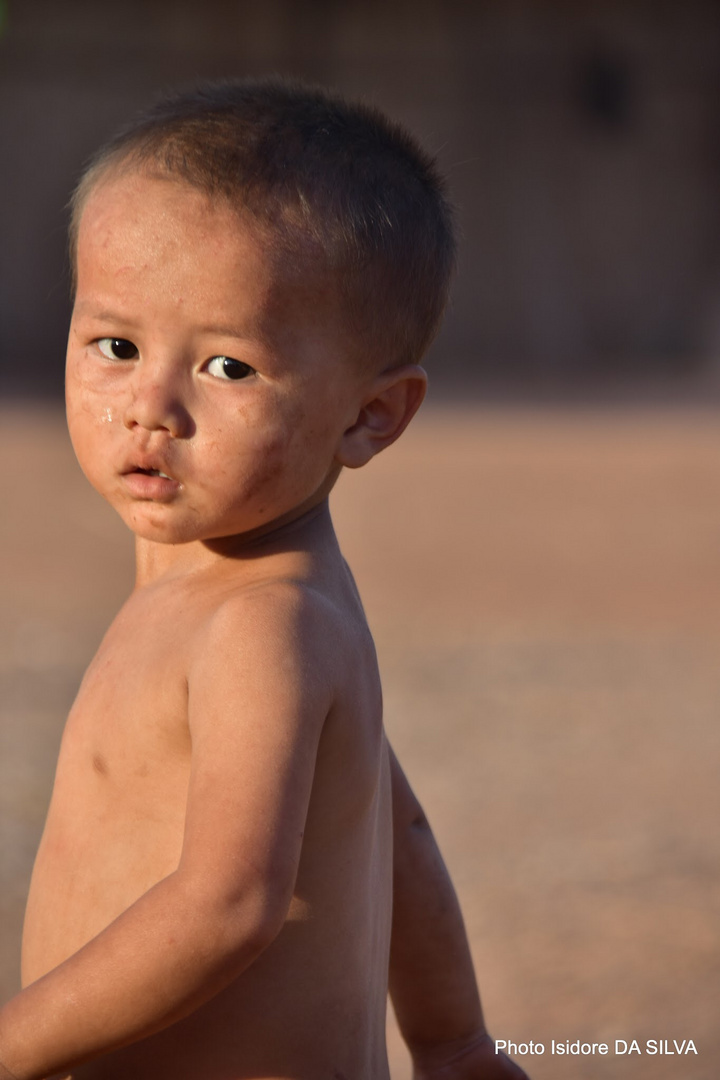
143 486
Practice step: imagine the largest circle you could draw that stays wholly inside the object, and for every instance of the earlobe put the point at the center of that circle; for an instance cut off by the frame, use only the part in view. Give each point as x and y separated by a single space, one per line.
387 409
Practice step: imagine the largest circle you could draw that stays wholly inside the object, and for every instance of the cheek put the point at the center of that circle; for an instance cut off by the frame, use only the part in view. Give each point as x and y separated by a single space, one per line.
91 399
80 394
251 460
91 417
266 457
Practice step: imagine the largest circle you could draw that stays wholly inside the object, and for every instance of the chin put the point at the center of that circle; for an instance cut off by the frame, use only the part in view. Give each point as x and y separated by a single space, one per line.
149 523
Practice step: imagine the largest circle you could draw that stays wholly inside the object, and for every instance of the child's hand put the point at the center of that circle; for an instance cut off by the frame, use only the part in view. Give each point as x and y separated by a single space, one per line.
474 1060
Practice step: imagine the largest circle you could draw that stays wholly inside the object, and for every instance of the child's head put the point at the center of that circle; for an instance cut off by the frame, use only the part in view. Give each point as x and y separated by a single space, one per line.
258 269
319 177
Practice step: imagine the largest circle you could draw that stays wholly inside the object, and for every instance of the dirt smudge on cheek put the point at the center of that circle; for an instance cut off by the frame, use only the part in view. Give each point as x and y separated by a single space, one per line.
267 451
266 467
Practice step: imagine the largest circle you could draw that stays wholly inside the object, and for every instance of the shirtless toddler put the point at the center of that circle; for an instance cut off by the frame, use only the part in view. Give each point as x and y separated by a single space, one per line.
233 868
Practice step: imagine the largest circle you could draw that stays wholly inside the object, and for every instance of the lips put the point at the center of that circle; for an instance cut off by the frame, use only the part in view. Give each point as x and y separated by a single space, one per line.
149 481
153 472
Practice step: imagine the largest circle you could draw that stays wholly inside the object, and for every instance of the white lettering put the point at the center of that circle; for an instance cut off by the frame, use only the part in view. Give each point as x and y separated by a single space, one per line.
621 1047
662 1046
577 1047
519 1049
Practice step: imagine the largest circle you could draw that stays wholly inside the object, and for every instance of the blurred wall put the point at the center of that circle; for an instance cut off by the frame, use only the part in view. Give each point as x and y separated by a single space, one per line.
580 139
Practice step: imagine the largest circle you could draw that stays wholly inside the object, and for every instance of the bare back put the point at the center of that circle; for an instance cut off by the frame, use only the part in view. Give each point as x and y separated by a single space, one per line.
312 1005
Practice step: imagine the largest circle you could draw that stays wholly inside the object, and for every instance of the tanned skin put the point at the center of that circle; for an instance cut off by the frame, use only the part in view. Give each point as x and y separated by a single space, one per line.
213 894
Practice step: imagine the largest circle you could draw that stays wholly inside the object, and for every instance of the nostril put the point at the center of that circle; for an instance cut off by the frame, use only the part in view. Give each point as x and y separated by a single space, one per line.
157 407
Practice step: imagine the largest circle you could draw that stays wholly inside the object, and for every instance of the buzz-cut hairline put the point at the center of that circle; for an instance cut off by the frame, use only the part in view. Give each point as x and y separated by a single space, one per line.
316 171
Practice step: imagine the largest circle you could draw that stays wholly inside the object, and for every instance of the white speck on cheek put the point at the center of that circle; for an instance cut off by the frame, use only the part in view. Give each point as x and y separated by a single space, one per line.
107 417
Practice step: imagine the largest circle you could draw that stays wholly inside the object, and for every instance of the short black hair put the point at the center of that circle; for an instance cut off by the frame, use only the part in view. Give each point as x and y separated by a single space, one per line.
313 167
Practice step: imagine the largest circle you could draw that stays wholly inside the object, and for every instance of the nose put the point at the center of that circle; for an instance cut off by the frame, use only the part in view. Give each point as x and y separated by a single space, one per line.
157 404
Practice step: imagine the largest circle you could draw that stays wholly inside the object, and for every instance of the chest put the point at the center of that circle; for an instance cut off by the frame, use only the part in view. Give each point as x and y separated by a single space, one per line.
128 723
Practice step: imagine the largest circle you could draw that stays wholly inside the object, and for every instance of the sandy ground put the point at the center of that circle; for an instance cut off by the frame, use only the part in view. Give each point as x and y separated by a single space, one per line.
544 587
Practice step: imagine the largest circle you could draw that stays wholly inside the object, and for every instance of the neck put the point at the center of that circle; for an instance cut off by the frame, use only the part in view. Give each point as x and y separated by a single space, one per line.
293 531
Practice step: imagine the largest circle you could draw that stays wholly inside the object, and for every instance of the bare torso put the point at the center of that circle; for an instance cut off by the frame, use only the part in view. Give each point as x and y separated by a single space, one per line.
312 1006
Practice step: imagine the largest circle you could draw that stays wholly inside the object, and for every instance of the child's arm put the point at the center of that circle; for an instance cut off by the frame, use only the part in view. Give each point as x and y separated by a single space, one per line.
432 981
254 743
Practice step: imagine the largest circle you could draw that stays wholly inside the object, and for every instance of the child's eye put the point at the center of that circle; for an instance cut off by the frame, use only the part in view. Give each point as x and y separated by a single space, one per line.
117 348
224 367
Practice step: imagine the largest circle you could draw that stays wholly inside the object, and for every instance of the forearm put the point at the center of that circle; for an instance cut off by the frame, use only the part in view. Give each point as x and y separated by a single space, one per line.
161 959
432 980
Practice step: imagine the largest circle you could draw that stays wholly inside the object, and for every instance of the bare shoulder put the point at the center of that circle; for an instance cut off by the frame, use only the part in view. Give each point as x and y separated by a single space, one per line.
283 636
282 611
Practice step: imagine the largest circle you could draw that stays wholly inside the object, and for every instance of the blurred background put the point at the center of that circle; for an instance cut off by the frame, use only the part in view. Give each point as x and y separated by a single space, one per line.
581 141
539 555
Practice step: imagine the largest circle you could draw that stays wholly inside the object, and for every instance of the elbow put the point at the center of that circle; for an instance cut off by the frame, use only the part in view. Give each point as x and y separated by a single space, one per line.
417 822
238 925
408 816
265 925
409 819
251 923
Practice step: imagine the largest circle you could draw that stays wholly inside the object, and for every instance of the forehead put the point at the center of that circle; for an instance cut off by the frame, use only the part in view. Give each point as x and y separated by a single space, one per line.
134 223
153 236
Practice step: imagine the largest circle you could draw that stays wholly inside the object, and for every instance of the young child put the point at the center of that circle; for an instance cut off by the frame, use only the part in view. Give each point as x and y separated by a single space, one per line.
234 868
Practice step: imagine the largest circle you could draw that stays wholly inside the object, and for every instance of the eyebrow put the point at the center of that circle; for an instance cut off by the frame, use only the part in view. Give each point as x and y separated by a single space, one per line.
87 310
103 314
226 331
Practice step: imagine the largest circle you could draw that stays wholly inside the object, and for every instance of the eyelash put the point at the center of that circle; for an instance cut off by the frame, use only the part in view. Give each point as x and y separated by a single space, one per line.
112 342
240 369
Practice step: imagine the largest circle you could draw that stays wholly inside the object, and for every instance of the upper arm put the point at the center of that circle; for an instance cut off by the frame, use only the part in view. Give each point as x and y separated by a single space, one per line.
258 692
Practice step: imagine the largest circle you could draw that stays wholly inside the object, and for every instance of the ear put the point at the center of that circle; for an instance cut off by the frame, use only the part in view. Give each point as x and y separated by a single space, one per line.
387 408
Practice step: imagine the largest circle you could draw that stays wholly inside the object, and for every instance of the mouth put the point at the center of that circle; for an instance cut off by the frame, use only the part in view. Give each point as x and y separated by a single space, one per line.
151 472
150 484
